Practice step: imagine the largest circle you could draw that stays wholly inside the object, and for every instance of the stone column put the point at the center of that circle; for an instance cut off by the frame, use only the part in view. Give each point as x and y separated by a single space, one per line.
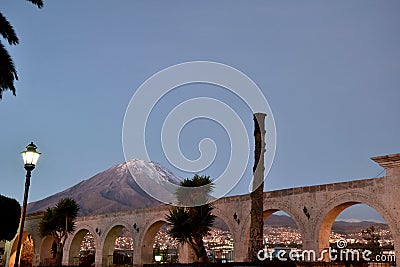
390 198
185 254
256 211
36 251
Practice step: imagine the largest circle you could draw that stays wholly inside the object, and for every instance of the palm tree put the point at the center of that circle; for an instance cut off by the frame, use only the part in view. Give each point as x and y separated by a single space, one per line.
8 73
58 222
190 224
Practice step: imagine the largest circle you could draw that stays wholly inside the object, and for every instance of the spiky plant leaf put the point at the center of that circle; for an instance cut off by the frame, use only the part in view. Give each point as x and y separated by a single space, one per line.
7 31
38 3
7 71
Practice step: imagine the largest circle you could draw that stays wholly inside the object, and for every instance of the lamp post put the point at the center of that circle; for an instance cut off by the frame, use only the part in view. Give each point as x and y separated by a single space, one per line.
30 157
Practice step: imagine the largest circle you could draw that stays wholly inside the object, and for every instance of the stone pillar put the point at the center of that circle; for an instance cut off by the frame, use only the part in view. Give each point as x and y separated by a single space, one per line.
391 197
185 254
36 252
99 260
391 163
256 211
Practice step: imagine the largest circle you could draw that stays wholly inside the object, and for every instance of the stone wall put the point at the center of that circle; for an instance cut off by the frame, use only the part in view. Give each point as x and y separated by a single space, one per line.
314 208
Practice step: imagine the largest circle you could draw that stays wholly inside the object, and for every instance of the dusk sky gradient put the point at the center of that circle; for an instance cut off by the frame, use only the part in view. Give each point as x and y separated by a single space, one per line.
330 71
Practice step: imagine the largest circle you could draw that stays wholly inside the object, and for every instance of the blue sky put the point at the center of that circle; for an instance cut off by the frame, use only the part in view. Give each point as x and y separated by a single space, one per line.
330 72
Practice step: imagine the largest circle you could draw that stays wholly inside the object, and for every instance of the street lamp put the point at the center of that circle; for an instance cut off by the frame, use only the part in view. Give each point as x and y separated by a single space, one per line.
158 258
30 157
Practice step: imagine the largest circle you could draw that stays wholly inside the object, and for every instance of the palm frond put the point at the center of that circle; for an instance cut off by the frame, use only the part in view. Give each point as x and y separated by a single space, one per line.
187 197
204 219
47 225
7 31
180 224
67 207
56 219
8 73
38 3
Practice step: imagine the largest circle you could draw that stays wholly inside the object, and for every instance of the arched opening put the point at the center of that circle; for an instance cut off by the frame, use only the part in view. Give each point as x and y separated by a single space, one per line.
48 251
220 244
156 242
158 246
27 250
165 246
281 235
353 231
118 247
82 250
148 242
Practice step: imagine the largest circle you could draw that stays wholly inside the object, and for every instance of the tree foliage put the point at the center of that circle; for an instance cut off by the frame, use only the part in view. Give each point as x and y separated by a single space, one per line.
190 224
10 216
372 239
8 72
58 222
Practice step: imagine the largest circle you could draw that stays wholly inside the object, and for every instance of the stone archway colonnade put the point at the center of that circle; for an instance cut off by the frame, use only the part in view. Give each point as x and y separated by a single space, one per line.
323 204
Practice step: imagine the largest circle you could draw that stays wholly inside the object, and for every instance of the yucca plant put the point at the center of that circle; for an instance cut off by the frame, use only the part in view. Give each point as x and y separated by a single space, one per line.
190 224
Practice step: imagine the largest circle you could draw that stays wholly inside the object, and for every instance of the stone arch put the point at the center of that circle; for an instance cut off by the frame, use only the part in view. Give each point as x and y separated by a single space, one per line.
75 244
108 240
146 228
293 215
147 240
45 251
271 207
231 223
327 215
13 252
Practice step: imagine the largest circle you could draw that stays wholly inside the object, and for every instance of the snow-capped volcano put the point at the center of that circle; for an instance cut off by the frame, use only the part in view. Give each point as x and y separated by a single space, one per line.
115 189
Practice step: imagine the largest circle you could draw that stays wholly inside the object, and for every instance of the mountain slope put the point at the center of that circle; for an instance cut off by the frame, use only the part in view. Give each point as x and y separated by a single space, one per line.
112 190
